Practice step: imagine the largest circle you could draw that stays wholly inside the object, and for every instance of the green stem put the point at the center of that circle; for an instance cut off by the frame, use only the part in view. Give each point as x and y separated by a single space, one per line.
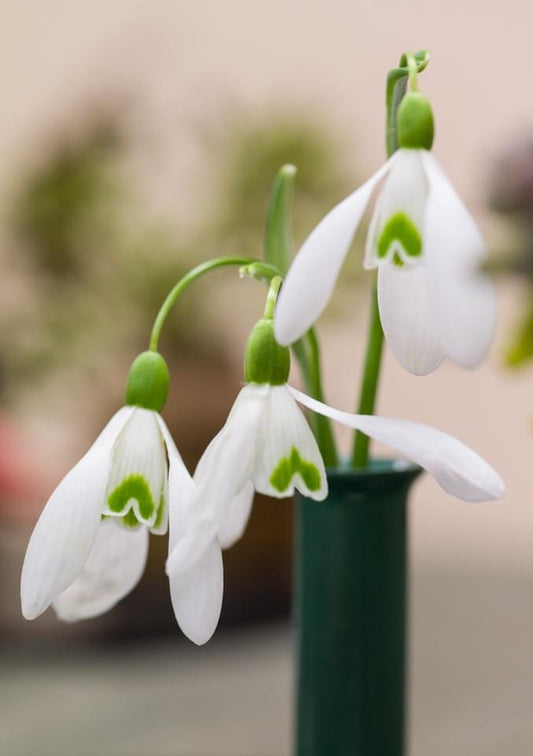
412 67
323 429
270 304
369 384
260 270
411 64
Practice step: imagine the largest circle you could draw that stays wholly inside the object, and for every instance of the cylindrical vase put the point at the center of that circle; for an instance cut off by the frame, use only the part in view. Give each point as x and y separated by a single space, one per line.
350 610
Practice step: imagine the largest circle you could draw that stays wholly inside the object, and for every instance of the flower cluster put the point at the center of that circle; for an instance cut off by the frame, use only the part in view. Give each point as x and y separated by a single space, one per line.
89 546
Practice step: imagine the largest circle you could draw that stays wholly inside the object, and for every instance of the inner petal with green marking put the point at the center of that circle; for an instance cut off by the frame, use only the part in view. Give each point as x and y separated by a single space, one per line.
292 465
138 475
402 236
134 488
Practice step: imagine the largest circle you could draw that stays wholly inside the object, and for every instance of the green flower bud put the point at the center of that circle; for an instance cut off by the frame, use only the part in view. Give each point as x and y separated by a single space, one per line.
265 361
148 381
415 122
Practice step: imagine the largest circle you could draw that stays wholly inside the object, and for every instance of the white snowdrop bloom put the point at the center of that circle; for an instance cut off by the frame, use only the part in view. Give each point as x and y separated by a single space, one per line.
279 453
267 446
89 546
434 299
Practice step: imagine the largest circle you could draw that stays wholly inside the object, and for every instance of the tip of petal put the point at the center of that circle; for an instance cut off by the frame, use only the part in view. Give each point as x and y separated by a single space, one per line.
498 487
199 636
32 608
284 331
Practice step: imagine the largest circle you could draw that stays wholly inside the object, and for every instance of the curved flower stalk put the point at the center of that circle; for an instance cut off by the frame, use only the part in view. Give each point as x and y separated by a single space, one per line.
267 446
434 299
88 549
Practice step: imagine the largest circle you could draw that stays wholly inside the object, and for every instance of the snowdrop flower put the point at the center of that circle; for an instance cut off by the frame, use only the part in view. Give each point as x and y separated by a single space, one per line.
89 546
267 446
434 300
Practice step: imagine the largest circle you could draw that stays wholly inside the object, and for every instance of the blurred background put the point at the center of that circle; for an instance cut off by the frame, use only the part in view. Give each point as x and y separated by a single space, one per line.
140 138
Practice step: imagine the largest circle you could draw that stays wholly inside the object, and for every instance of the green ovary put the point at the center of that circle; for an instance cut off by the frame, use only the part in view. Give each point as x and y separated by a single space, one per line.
133 487
293 465
401 229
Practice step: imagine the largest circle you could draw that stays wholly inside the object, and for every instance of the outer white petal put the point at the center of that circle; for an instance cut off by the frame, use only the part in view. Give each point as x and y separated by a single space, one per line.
238 514
462 295
405 191
284 429
181 487
66 530
309 283
196 594
407 318
227 464
194 565
113 569
458 469
218 506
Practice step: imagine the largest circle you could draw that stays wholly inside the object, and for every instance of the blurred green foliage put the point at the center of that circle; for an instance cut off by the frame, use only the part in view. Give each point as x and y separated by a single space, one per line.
62 204
520 349
95 269
253 154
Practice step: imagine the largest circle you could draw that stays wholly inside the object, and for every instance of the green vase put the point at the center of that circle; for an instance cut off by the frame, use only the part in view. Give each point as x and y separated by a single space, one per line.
350 603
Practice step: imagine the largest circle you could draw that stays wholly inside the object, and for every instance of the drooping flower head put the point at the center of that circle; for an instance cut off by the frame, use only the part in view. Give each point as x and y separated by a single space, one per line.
434 299
89 546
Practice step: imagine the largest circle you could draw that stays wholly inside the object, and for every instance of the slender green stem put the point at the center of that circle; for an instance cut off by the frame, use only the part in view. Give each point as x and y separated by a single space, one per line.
324 431
260 270
411 64
270 304
412 67
369 385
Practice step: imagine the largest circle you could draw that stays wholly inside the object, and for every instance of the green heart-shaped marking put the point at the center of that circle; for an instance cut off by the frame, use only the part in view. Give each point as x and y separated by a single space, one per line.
400 228
293 465
133 487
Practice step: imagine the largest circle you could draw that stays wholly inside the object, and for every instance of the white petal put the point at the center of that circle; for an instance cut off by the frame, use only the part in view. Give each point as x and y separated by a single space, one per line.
194 565
217 505
66 530
458 469
113 569
238 514
406 314
310 281
199 532
180 487
197 594
138 470
287 451
405 192
462 295
227 464
231 510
